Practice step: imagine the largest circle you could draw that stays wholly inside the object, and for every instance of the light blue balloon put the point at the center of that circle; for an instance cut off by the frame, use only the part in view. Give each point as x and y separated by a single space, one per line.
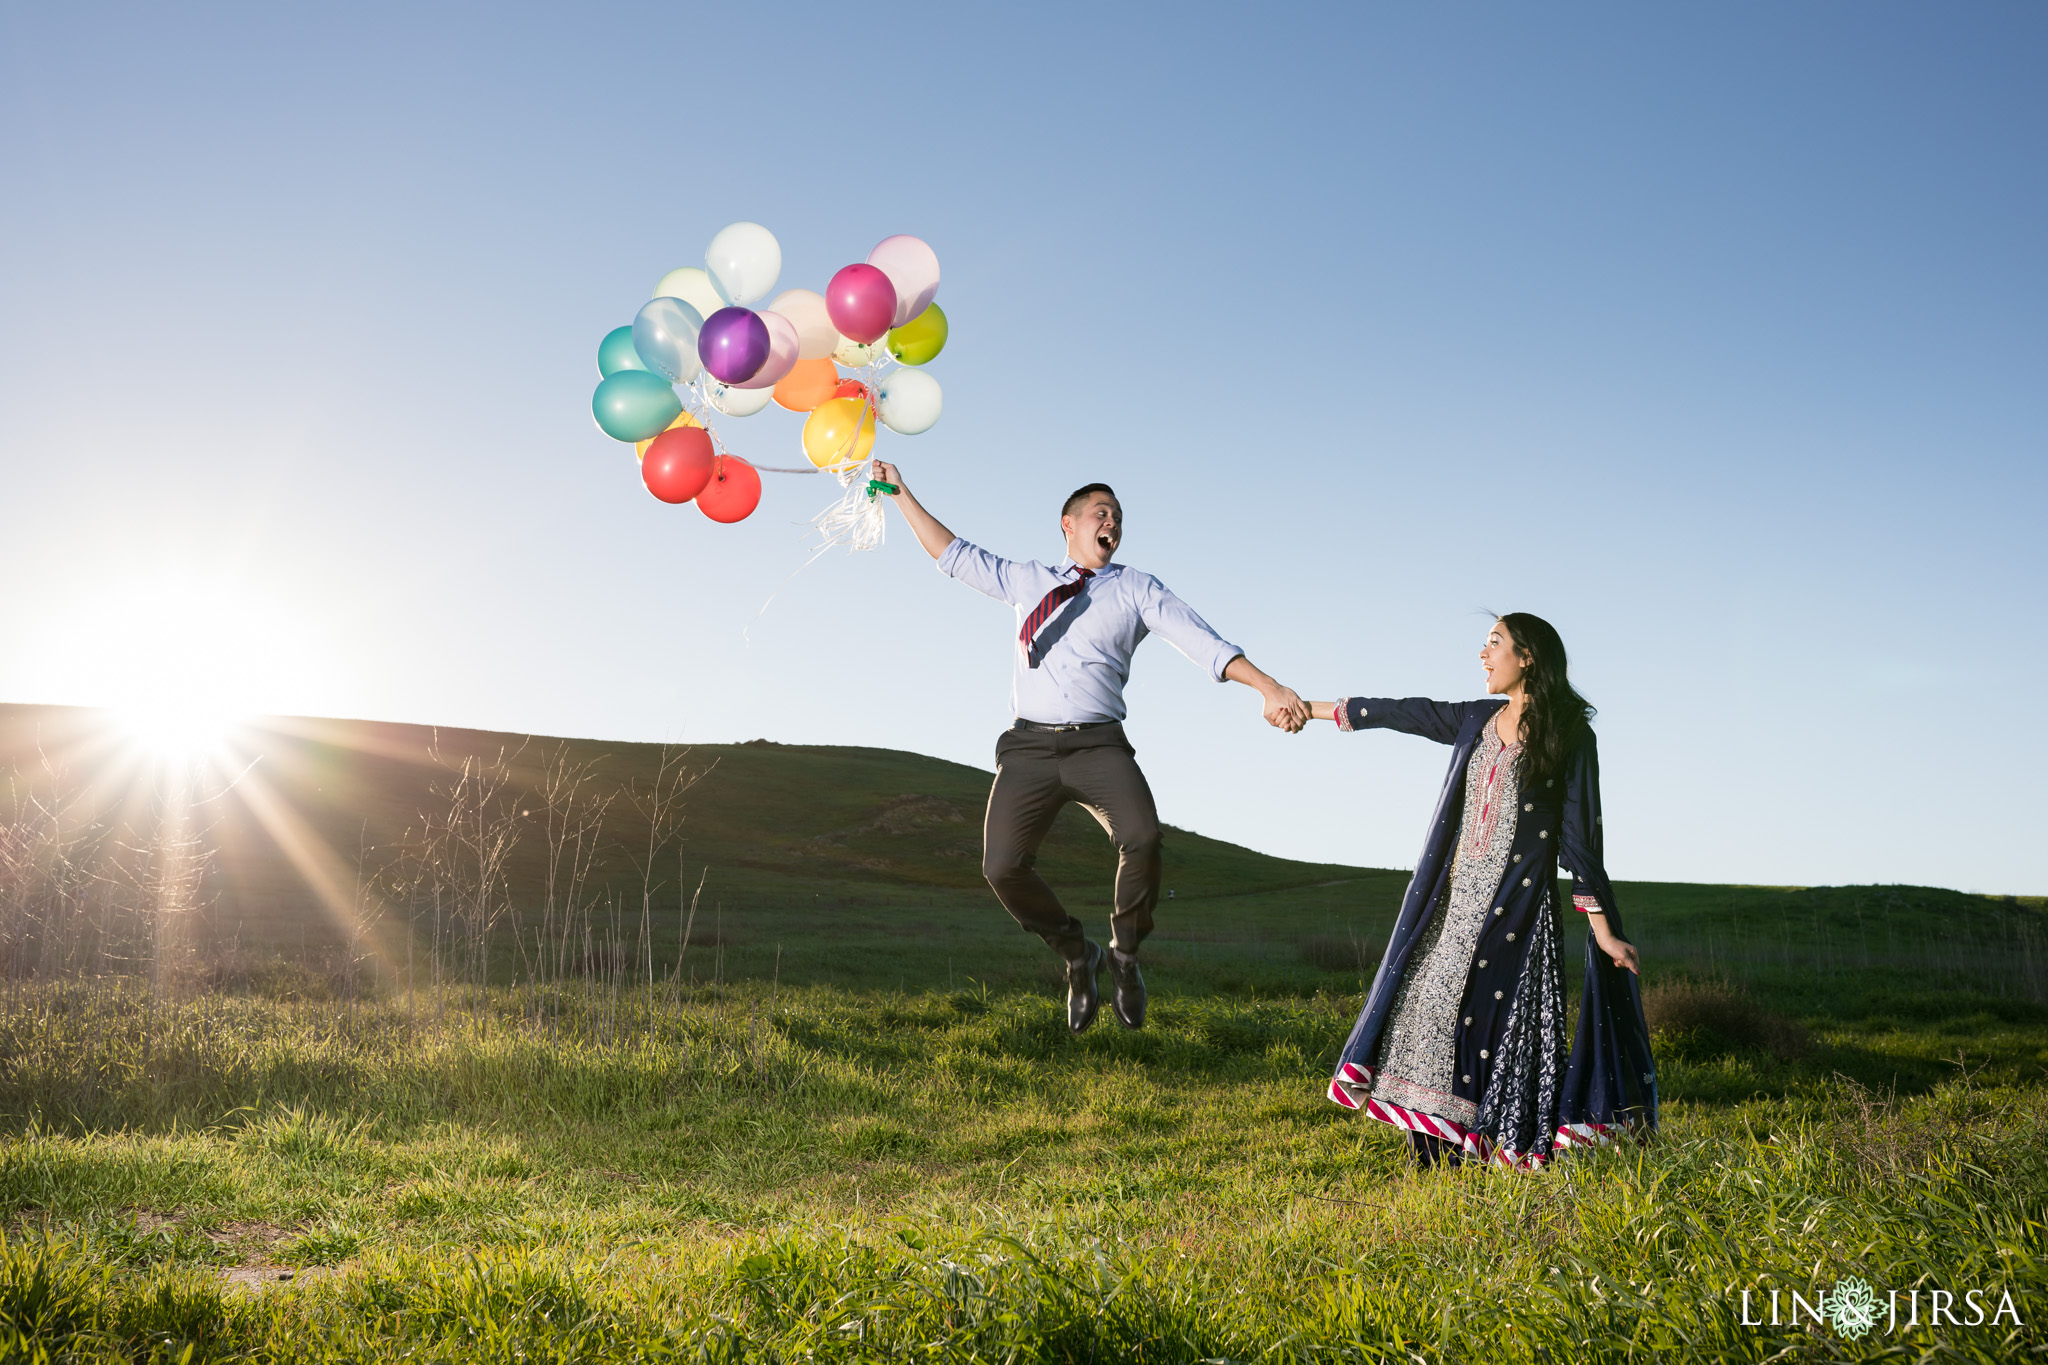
633 405
665 335
616 353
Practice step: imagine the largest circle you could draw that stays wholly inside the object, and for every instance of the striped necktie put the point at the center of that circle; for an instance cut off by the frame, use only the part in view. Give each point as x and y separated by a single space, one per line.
1046 608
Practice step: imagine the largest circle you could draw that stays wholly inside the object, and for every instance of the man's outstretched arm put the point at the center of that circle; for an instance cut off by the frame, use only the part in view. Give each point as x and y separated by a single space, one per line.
1284 709
1177 623
929 530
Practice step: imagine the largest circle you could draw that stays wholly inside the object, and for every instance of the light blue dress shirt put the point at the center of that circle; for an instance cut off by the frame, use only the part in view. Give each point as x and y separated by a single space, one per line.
1085 647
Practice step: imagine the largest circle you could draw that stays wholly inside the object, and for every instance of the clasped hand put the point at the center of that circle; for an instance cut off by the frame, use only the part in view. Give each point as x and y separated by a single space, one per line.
1285 710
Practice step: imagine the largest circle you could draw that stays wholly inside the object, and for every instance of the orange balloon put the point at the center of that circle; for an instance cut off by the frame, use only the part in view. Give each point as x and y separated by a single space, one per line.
809 384
682 420
839 431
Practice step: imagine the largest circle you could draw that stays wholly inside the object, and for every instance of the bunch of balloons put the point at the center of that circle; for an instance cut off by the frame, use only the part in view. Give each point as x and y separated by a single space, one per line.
699 350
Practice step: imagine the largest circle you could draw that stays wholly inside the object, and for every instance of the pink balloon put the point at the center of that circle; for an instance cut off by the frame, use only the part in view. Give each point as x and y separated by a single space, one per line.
913 268
783 344
862 303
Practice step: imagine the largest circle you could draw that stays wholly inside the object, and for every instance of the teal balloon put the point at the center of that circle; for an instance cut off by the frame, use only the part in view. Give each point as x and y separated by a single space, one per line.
616 353
634 405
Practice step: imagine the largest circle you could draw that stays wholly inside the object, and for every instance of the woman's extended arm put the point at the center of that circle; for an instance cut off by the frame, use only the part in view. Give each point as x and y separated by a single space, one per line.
1437 720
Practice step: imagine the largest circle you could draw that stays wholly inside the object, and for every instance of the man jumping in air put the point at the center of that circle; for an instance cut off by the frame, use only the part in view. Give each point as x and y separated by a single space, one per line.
1078 623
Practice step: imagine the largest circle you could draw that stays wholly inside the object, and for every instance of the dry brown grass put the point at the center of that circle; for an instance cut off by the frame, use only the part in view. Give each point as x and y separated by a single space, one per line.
1718 1017
1337 953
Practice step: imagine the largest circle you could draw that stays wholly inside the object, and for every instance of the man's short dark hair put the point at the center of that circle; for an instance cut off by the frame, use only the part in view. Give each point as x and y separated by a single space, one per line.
1081 494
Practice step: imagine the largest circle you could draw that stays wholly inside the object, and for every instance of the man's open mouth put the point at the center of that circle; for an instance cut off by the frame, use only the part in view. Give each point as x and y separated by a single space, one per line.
1106 542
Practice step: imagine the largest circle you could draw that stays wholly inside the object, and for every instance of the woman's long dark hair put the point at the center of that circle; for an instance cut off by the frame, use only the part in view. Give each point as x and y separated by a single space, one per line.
1554 715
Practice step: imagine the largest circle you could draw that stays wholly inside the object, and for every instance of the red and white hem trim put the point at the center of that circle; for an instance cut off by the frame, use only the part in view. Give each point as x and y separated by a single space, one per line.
1587 905
1341 713
1351 1087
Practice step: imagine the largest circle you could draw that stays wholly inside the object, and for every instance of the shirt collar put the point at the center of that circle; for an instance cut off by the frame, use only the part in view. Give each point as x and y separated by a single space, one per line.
1067 566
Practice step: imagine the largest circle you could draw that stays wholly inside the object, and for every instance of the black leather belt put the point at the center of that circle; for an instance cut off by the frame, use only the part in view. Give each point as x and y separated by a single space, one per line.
1042 728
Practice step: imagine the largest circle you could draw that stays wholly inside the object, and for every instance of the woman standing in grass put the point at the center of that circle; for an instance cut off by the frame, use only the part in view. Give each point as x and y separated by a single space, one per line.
1462 1039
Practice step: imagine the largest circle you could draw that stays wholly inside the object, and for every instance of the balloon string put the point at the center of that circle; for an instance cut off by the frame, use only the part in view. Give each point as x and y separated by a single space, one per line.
856 520
701 409
746 631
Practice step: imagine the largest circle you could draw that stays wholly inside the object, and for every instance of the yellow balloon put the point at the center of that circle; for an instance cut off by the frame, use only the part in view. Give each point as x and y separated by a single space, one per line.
682 420
830 436
920 339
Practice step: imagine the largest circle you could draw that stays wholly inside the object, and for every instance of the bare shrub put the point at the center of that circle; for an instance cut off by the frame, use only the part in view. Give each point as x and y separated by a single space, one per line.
93 887
1335 953
1710 1018
271 976
1962 1122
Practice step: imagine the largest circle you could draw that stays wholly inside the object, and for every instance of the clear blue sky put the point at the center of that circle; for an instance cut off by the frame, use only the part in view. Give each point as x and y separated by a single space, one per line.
1715 334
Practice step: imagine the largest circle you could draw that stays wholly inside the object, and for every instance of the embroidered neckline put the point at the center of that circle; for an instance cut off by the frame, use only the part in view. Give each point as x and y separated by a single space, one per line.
1487 814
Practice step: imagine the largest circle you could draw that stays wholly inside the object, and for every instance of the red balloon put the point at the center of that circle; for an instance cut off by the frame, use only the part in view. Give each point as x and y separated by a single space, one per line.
861 302
733 492
850 388
677 464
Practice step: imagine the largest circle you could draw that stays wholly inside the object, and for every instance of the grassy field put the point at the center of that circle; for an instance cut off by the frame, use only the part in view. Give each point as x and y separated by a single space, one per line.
761 1170
847 1123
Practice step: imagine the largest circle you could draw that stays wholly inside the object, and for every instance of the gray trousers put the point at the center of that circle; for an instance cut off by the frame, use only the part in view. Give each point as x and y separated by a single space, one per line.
1037 772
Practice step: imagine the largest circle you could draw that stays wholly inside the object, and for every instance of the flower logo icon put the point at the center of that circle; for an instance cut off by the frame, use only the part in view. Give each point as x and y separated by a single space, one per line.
1852 1309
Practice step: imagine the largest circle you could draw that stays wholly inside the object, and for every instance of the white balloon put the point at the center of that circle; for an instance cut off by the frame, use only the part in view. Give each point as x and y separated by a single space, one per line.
690 284
854 354
665 336
913 268
782 346
745 261
816 336
732 400
908 401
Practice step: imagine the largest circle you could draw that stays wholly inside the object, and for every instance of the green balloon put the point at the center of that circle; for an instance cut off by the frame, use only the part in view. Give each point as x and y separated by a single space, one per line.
616 353
921 338
634 405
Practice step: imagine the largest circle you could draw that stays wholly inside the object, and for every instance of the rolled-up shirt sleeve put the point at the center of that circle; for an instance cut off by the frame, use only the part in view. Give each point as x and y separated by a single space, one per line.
984 572
1167 616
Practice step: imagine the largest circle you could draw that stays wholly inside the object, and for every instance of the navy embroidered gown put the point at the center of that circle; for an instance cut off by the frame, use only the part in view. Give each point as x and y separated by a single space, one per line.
1462 1037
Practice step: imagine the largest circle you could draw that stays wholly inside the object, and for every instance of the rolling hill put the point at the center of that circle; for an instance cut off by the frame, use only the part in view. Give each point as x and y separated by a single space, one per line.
294 807
840 863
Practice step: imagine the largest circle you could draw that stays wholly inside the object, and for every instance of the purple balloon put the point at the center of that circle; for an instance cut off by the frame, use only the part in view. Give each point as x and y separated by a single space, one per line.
733 344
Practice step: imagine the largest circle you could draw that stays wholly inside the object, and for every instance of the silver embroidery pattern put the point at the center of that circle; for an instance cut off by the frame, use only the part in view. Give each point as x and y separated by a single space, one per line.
1518 1112
1418 1060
